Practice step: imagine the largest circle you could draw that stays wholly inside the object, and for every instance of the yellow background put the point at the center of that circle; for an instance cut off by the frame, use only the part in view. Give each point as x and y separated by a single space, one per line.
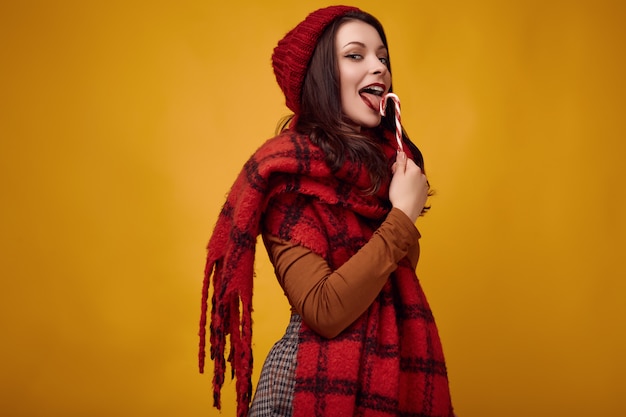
123 124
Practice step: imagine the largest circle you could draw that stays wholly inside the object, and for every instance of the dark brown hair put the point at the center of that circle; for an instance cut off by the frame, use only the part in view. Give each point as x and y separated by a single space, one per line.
321 116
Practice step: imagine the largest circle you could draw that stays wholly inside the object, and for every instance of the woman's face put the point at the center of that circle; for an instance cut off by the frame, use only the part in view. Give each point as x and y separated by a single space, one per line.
363 74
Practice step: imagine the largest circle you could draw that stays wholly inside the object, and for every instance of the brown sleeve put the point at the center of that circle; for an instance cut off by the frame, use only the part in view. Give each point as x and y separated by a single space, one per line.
329 301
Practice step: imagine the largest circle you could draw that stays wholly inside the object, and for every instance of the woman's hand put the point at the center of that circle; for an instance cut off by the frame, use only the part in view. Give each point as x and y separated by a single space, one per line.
408 190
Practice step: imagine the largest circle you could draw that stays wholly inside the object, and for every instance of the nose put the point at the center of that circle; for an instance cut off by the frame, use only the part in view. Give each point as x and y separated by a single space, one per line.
378 67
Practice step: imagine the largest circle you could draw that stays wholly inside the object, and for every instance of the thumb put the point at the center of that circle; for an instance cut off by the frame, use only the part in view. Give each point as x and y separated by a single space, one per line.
400 162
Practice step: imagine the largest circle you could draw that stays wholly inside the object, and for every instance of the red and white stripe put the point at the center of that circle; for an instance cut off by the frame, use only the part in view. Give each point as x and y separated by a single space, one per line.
383 106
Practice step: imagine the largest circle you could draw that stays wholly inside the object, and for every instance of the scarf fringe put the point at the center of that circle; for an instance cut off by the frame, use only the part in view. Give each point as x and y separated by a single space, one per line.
230 316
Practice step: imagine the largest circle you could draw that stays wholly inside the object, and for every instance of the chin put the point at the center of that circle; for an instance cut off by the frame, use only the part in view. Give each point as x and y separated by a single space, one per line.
366 122
370 122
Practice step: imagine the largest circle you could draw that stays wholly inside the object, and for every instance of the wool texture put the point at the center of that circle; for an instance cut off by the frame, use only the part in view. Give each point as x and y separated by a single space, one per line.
389 362
291 56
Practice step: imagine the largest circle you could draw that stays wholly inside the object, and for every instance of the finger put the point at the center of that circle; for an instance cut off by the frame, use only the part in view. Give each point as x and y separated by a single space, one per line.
412 166
401 161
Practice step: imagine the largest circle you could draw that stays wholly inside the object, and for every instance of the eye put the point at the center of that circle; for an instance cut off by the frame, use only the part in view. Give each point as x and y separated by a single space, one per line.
384 60
355 57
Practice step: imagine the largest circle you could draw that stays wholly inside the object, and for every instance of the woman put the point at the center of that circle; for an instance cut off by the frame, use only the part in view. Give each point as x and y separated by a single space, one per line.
336 206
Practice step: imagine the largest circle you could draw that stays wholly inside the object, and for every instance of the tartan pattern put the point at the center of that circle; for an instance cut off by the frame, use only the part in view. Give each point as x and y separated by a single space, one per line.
274 393
390 361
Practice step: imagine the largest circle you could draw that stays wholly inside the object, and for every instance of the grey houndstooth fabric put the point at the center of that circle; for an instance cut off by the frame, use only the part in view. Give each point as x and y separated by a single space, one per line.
274 393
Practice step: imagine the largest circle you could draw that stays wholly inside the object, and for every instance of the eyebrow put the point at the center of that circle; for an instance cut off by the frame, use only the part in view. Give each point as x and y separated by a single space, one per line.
361 44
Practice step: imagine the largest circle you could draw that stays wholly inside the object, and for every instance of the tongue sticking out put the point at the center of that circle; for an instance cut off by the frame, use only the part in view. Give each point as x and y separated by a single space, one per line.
372 100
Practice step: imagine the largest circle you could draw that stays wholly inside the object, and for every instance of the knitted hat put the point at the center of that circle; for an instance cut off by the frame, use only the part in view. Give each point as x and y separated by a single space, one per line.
292 54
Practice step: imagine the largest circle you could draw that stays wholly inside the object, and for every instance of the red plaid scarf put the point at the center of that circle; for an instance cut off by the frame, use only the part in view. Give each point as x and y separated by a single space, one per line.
390 361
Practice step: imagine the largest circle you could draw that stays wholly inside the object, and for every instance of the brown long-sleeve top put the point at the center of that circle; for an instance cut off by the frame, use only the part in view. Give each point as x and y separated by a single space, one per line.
329 301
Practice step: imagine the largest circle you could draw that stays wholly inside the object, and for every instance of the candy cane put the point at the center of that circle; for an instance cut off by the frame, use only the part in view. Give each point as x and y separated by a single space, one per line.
383 106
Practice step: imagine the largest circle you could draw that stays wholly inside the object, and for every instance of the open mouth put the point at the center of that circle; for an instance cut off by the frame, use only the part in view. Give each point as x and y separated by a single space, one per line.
372 95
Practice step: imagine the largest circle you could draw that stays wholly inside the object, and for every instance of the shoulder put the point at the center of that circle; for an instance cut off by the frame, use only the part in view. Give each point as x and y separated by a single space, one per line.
288 151
286 143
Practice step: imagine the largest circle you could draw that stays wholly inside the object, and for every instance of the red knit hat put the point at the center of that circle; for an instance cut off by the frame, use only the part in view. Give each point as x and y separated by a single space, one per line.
292 54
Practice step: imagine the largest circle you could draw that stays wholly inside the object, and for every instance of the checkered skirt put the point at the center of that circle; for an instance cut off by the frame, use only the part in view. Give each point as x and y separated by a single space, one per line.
275 390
